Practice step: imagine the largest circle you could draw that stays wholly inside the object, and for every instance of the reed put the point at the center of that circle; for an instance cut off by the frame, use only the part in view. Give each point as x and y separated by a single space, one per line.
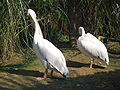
59 20
13 25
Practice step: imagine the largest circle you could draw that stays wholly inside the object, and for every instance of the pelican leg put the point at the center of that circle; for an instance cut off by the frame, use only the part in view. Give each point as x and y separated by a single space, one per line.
91 62
51 73
45 74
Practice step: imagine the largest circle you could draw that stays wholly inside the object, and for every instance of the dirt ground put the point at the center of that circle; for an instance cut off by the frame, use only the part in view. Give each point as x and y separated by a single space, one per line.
81 77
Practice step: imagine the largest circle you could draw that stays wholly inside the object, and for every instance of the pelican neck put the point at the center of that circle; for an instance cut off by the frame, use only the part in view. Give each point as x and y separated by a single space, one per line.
83 32
37 27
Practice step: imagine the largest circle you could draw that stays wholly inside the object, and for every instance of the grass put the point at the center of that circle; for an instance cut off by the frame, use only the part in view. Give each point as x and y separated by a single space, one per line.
81 77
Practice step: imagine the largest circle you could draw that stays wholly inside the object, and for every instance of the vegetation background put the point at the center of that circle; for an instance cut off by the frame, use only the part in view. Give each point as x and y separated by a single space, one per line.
59 20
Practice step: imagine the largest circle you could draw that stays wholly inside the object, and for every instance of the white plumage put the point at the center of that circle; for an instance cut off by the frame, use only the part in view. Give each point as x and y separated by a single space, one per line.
92 47
50 56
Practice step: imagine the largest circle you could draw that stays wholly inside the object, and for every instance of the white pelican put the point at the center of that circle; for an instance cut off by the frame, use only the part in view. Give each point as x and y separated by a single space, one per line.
50 56
92 47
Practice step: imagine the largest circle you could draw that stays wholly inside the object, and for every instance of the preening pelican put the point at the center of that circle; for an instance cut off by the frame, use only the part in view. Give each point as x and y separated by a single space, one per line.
92 47
50 56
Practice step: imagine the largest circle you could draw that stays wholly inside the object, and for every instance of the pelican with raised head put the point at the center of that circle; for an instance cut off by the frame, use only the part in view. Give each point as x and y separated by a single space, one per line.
92 47
49 55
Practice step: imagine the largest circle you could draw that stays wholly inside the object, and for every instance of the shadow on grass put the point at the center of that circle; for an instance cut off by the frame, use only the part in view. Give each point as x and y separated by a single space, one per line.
30 73
79 64
114 57
23 72
98 81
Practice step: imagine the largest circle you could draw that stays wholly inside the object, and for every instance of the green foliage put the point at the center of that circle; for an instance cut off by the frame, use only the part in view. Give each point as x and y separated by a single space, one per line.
100 17
108 18
13 16
52 18
16 33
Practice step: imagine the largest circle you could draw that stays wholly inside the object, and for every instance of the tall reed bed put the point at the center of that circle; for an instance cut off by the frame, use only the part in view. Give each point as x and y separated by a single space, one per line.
16 32
59 20
12 24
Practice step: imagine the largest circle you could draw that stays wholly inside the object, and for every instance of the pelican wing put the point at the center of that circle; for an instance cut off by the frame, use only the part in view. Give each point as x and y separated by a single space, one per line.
92 47
52 55
93 39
